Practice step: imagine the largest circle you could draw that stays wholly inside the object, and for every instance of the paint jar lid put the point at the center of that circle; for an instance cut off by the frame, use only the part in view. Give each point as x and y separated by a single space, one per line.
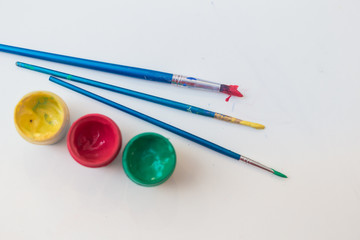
41 117
94 140
149 159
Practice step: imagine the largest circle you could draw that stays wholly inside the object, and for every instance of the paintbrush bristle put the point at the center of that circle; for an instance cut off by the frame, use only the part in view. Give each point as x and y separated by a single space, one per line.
252 124
231 90
279 174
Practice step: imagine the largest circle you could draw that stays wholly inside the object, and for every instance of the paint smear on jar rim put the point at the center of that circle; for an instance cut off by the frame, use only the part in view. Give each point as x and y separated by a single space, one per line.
40 117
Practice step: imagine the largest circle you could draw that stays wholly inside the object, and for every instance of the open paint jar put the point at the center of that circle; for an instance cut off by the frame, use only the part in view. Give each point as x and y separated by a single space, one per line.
94 140
41 117
149 159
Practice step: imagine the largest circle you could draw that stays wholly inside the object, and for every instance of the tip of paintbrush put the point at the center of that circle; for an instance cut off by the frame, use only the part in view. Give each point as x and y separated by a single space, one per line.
231 90
279 174
252 124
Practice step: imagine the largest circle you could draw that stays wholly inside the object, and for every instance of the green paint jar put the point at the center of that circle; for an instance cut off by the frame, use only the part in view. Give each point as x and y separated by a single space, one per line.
149 159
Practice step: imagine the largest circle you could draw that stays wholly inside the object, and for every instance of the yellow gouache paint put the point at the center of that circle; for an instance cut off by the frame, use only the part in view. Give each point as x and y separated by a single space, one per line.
253 125
41 117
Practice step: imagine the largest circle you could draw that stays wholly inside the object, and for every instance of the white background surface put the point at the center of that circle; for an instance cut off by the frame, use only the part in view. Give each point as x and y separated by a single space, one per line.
297 63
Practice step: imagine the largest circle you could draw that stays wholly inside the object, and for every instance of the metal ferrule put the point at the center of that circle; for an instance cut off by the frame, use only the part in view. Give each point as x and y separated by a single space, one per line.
227 118
184 81
255 163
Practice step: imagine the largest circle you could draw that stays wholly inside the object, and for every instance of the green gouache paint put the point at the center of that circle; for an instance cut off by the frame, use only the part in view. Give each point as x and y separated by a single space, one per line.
149 159
279 174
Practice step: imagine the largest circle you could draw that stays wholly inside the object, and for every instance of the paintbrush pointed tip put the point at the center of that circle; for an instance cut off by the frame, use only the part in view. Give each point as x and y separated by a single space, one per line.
231 90
279 174
252 124
258 126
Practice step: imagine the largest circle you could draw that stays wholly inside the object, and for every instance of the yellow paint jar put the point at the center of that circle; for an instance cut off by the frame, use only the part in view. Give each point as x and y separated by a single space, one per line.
42 117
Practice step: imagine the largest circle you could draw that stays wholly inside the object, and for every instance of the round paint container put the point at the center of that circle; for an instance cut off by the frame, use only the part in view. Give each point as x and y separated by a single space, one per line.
149 159
41 117
94 140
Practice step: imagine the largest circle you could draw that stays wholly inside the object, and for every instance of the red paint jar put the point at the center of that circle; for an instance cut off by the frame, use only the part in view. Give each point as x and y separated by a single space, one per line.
94 140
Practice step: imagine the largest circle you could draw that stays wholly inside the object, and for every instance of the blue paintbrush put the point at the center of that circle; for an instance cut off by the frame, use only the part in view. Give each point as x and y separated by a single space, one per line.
166 126
125 70
147 97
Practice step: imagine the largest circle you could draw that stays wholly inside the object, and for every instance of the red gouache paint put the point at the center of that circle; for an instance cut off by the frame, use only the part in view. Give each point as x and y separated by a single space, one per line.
232 90
94 140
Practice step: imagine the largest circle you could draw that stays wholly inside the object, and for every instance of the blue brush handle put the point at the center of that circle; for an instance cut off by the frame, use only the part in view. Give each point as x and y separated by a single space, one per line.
149 119
128 92
91 64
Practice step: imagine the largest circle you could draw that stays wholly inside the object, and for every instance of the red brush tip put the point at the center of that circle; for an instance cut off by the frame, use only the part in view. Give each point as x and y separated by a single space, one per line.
232 90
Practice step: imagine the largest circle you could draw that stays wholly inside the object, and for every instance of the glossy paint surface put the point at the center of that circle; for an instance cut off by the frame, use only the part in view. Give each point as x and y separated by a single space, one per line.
41 117
94 140
149 159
